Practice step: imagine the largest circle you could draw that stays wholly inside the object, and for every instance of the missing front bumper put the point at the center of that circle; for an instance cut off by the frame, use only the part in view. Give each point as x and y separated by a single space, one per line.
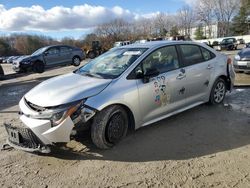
24 139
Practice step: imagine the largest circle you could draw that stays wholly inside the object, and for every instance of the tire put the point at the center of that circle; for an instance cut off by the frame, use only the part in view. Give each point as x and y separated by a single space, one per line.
38 67
218 92
76 61
109 127
91 55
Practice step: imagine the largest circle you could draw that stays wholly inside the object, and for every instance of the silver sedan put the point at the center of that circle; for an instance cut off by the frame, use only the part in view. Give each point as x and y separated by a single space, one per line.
126 88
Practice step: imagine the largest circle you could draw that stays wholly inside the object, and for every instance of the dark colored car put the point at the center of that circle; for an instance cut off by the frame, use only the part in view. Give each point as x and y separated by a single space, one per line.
49 56
240 41
242 61
228 44
1 59
4 60
11 59
1 72
247 45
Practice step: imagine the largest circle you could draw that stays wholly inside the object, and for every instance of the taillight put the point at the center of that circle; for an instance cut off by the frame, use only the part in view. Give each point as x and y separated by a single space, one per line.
229 61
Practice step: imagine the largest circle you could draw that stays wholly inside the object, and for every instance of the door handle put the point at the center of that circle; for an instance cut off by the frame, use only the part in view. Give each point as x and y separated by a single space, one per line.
209 67
181 76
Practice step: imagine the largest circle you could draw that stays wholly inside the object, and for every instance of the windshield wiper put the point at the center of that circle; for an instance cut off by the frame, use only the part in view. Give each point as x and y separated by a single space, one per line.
92 75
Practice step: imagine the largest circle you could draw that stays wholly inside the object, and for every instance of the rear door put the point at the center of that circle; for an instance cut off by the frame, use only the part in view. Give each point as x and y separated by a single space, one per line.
198 63
65 54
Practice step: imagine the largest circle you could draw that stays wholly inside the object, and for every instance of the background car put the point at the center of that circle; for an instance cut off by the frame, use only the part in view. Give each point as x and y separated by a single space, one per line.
1 72
4 60
242 61
240 41
247 45
9 59
49 56
228 44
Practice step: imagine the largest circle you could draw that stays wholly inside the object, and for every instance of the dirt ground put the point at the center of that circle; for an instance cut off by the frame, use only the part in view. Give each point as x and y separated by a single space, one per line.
208 146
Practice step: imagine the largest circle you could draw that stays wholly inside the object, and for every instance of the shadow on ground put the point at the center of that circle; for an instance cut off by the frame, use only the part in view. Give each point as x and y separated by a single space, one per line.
201 131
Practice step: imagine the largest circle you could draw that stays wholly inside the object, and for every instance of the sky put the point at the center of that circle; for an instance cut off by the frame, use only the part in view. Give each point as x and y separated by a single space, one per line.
75 18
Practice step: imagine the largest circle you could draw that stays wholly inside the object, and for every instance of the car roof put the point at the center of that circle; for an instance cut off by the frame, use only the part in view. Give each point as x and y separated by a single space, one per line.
154 44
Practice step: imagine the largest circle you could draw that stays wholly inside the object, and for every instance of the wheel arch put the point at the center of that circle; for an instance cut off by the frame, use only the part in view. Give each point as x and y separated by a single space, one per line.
74 56
130 114
38 61
227 81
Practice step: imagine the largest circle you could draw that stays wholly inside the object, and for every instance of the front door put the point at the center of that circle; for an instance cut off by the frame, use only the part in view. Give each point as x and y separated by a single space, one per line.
164 93
52 56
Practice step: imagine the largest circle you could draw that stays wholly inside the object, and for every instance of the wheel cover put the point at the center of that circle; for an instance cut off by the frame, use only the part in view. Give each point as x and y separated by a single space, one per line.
76 61
219 92
115 127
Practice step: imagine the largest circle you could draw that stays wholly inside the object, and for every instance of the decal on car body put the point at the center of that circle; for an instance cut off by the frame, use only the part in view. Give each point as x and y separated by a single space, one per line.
162 97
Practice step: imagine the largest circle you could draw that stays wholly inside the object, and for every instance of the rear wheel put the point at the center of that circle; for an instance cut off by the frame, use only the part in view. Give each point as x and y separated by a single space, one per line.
76 61
38 67
218 91
109 127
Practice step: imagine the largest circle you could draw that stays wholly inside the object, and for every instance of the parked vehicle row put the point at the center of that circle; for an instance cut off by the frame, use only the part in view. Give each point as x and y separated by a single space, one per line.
126 88
242 61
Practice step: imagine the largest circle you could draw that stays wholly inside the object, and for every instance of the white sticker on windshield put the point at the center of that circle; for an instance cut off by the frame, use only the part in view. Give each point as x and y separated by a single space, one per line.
132 53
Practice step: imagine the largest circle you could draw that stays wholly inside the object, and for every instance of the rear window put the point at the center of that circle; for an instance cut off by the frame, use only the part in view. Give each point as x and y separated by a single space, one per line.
207 55
191 54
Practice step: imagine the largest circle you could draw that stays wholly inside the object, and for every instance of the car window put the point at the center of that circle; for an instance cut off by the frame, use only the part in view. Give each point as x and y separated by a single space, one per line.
53 51
191 54
164 59
207 55
113 63
65 49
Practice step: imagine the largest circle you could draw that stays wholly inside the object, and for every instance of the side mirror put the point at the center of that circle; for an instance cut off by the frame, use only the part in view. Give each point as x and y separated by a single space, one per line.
45 53
149 74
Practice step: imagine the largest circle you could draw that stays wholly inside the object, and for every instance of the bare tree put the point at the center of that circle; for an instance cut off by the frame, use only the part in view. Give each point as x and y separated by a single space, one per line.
205 13
142 29
118 29
224 11
163 24
186 19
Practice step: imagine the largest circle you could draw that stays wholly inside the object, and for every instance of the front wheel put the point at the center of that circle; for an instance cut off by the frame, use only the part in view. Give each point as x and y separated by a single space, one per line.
109 127
218 92
38 67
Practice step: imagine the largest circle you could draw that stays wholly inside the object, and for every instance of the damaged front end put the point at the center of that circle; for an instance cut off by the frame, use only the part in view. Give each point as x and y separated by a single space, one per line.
24 139
46 126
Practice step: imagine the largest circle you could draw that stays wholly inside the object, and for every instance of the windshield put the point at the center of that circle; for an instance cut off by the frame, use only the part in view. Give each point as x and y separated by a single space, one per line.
111 64
40 50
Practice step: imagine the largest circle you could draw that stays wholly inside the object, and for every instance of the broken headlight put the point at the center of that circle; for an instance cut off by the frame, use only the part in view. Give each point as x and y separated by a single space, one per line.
58 114
61 115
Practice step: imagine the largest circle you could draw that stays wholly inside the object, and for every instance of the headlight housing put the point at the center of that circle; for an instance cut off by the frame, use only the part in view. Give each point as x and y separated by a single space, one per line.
58 114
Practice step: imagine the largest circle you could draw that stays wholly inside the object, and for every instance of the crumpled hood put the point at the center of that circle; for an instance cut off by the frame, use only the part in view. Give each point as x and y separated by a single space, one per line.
64 89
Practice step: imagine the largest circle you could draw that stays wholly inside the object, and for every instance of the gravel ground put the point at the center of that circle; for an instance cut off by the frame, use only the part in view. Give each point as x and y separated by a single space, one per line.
208 146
